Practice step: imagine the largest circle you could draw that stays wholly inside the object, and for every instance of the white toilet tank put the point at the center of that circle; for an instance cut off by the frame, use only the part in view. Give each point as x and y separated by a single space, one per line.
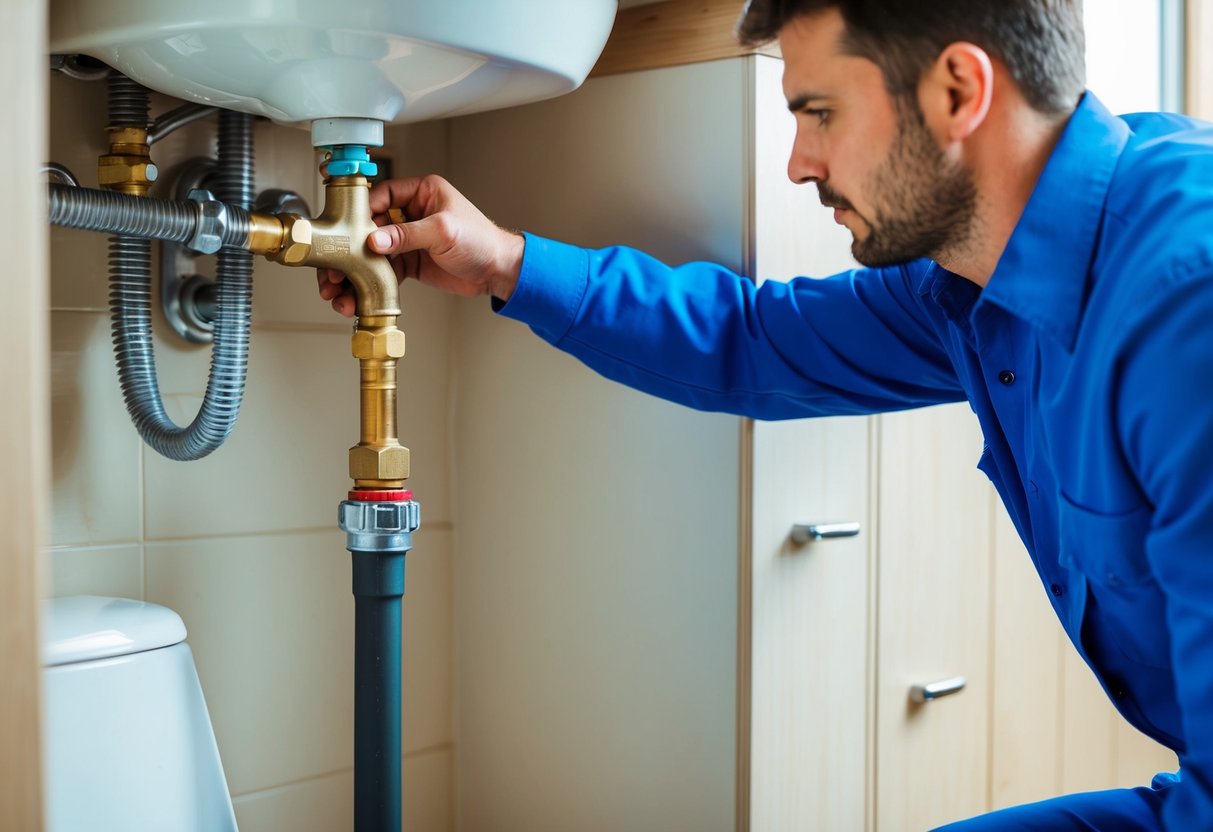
127 740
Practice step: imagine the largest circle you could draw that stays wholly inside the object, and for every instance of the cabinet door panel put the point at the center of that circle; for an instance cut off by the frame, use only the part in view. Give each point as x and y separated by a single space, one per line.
934 541
1028 681
809 627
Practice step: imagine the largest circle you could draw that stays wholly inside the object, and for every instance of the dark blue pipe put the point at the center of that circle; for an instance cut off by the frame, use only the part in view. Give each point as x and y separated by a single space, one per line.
378 587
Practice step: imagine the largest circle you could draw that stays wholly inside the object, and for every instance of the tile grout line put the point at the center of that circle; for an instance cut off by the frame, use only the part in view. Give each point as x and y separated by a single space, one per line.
142 519
312 530
248 797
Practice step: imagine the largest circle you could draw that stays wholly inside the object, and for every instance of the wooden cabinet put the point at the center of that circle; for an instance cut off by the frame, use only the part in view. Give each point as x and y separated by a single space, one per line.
640 645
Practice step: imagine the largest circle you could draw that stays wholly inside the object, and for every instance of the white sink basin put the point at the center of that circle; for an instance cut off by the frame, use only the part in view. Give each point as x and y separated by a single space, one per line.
300 60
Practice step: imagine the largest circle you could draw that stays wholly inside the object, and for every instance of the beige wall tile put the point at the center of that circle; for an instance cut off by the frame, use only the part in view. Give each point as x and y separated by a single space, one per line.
112 571
270 621
94 449
326 804
428 644
284 466
427 797
418 149
322 804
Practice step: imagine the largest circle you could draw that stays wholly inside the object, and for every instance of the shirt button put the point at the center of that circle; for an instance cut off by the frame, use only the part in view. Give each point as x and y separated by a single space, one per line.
1006 377
1057 590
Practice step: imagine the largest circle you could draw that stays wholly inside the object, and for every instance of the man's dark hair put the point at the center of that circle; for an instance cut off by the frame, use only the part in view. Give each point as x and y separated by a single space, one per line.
1039 41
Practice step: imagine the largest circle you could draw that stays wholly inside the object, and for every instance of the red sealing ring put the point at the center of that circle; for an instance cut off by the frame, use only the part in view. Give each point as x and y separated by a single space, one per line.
369 496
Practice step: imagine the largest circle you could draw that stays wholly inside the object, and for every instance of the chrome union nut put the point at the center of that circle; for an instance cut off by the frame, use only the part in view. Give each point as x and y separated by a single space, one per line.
387 463
381 345
212 219
379 517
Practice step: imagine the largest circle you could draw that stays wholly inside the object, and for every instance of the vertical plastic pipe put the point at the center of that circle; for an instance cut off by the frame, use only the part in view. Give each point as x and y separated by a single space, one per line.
378 587
378 527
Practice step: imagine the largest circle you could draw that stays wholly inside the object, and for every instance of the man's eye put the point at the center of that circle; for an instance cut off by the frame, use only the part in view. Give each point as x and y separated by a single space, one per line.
815 112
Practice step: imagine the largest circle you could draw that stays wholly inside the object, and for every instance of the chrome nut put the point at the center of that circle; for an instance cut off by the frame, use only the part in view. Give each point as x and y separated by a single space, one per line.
212 219
379 518
386 463
382 344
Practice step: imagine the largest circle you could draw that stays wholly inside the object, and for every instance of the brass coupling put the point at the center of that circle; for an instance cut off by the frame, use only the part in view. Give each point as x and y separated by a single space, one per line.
378 461
283 238
128 166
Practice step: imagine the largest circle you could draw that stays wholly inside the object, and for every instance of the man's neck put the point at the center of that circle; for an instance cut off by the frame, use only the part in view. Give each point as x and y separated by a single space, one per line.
1008 156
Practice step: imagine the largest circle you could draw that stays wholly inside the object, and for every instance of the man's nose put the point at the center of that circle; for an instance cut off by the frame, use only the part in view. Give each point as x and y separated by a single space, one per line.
805 164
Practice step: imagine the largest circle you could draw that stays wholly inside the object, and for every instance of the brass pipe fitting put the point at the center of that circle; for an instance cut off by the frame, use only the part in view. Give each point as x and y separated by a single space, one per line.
378 460
337 240
128 166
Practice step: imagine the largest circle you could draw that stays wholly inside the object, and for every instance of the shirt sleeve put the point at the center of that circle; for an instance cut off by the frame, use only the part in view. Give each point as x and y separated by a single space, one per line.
1166 423
705 337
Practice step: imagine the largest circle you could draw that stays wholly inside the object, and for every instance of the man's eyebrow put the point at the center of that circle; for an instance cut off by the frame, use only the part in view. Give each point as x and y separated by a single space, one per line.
798 103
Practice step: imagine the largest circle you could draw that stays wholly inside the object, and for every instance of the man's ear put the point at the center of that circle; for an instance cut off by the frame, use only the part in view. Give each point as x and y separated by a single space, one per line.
955 92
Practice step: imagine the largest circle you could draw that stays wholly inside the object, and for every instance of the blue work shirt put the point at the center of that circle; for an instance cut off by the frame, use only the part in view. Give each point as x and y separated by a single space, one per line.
1088 359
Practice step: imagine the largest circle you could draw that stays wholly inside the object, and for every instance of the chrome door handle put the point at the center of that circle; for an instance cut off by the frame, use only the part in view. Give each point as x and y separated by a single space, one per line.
823 531
937 690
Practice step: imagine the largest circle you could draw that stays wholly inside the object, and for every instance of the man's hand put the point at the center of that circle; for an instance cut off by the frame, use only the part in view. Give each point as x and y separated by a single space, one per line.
444 241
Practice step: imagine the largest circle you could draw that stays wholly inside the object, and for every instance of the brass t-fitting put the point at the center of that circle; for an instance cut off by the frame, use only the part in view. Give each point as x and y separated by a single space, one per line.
337 240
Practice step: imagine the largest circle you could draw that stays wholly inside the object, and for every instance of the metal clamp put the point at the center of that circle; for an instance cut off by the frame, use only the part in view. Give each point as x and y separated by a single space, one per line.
937 690
823 531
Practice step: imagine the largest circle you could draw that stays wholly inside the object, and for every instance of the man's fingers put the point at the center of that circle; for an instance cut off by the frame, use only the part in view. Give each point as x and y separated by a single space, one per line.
394 193
344 304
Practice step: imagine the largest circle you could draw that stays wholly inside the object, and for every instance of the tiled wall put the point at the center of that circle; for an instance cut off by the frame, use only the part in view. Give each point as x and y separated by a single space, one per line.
243 544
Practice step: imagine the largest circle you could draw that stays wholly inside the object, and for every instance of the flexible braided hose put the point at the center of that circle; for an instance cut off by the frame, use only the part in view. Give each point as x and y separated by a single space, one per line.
130 297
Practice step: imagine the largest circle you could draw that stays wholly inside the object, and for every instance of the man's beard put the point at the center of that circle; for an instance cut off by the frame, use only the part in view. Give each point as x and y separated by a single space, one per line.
923 205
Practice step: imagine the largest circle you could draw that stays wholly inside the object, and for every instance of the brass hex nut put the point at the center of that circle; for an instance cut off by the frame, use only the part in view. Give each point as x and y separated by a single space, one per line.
384 344
297 241
121 172
390 463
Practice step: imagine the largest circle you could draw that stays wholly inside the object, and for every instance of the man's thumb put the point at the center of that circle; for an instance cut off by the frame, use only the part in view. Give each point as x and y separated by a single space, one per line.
384 240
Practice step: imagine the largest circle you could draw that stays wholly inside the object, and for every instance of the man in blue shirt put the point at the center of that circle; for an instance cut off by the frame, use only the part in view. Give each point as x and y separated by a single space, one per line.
1025 250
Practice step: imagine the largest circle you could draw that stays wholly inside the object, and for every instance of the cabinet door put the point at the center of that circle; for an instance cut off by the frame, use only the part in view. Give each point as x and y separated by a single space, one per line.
810 685
933 543
809 703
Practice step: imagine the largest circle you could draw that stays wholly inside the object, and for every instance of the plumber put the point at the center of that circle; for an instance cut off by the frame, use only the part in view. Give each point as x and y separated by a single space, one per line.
1023 249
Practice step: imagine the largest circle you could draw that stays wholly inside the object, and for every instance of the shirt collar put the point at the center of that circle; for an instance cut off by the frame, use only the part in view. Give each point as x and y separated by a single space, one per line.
1042 275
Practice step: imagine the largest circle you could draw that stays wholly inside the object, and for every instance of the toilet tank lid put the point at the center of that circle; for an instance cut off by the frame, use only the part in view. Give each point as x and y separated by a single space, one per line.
85 627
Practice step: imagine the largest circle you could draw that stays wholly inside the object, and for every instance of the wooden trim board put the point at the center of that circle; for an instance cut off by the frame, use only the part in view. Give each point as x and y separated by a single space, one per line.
24 345
673 33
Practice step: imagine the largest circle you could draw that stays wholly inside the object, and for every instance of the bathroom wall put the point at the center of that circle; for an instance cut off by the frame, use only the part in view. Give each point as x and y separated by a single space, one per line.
244 544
